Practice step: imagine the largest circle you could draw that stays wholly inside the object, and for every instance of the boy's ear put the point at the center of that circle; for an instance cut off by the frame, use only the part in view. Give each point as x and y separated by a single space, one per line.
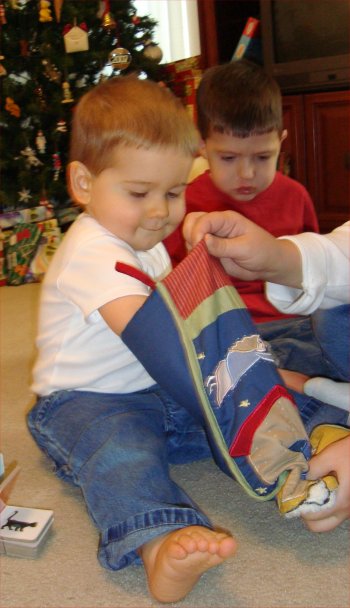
284 135
79 182
203 149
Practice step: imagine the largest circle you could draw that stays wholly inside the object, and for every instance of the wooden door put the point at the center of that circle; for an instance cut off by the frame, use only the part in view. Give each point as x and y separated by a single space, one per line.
327 124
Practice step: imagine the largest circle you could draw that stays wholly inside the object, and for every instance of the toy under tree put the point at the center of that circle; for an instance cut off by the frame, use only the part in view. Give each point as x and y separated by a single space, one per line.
51 52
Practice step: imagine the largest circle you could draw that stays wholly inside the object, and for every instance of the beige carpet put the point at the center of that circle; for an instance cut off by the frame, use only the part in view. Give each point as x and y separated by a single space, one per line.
278 564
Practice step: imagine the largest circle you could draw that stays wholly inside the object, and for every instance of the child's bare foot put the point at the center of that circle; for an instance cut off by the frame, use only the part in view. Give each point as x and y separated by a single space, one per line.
174 562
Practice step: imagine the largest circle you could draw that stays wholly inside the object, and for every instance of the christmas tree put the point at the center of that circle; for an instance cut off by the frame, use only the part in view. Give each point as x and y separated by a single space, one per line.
51 52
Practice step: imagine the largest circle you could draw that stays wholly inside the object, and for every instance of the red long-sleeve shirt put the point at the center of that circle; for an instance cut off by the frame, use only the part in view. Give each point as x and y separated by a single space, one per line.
284 208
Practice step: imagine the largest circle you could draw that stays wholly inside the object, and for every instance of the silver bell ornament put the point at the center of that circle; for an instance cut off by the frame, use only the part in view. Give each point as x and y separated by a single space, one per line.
120 58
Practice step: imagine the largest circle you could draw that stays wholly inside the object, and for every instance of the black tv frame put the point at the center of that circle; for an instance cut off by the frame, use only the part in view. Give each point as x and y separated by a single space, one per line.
323 73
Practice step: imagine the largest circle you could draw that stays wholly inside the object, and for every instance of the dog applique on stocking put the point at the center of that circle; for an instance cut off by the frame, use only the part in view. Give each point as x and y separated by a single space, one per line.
196 339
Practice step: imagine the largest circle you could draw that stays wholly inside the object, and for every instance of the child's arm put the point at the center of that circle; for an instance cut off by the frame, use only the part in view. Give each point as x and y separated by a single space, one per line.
246 251
333 459
119 312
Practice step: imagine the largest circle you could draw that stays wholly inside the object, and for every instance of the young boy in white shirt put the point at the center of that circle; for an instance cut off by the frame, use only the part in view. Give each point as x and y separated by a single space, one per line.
99 415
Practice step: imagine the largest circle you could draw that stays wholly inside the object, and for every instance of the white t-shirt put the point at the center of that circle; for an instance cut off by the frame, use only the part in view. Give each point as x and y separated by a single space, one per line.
326 273
76 348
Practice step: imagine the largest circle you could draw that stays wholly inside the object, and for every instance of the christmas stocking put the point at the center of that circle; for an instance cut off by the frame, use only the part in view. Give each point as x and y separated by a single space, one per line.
196 339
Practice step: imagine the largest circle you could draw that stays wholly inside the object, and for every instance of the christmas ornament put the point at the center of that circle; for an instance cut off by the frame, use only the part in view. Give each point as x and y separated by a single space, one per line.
57 165
30 157
58 7
24 195
2 15
67 96
120 58
44 11
3 71
61 126
25 124
108 21
51 71
153 51
39 92
12 107
76 38
135 19
40 142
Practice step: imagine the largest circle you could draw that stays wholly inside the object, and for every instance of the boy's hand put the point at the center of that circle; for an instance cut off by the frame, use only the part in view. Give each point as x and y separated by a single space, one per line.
334 459
245 250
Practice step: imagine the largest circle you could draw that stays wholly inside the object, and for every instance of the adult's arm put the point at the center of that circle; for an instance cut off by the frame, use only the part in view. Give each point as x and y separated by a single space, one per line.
325 272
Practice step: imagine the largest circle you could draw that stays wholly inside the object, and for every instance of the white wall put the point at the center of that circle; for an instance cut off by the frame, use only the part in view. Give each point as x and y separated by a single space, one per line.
177 32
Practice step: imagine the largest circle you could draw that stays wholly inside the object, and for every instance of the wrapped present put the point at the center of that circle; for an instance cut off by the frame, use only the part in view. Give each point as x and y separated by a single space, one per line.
186 90
20 248
172 70
183 78
33 214
50 239
67 215
26 251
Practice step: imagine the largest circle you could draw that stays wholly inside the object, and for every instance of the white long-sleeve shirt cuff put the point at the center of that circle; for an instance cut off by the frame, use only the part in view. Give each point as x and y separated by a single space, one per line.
325 269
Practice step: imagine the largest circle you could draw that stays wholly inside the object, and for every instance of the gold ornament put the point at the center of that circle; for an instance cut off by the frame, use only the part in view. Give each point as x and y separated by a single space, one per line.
67 95
120 58
58 7
108 22
45 11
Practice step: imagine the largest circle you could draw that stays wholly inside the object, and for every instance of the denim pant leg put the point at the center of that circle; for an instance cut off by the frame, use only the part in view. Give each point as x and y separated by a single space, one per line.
114 448
317 345
314 412
292 344
331 328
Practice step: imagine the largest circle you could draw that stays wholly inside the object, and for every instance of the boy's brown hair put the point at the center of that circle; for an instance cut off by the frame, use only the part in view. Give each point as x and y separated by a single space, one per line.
126 111
240 99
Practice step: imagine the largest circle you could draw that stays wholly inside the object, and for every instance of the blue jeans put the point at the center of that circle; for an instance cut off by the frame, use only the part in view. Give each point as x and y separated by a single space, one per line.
117 449
317 345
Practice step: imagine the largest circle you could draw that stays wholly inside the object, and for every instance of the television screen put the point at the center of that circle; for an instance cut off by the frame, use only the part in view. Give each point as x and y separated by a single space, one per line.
310 29
306 43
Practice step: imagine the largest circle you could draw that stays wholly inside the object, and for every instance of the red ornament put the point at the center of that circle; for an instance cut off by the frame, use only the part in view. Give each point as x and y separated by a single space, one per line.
2 15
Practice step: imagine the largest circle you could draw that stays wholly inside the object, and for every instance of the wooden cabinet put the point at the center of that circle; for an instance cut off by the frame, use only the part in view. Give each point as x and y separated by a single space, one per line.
292 159
327 117
317 151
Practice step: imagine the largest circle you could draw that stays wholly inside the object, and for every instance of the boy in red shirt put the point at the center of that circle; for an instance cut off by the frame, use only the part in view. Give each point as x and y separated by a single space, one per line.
240 123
